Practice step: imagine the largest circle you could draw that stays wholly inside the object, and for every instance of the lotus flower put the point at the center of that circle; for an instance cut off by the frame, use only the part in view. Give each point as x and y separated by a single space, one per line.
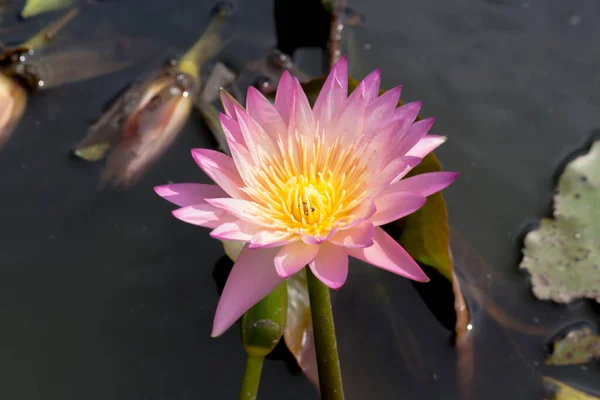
310 186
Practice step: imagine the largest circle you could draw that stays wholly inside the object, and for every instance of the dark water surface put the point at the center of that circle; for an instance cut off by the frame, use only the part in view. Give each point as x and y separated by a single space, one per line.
104 295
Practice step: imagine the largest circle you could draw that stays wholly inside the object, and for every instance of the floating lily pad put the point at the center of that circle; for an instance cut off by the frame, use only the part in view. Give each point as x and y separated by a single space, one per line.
563 254
577 347
559 391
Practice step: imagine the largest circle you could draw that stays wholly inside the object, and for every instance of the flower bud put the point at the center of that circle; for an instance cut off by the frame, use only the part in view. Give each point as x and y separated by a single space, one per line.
13 100
262 326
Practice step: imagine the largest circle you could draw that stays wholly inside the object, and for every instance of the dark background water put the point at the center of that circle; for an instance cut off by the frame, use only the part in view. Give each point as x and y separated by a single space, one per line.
104 295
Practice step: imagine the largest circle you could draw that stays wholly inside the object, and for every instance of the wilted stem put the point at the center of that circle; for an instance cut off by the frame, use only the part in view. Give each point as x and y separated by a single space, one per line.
328 362
208 46
251 379
46 35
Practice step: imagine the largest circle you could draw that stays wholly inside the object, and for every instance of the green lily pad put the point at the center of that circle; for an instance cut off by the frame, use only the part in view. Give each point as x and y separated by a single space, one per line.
577 347
559 391
563 255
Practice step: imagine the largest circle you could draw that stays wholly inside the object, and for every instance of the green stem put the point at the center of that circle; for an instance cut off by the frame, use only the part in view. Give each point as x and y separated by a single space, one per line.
328 362
251 379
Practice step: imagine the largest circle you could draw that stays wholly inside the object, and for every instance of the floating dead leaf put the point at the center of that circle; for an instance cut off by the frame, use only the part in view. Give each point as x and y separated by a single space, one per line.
577 347
559 391
562 254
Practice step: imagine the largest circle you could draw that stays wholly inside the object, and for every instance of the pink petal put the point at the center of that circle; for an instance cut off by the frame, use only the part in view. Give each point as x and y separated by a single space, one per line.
231 128
269 238
242 209
263 112
236 230
423 184
310 239
406 114
293 257
301 115
396 205
426 145
255 137
221 169
202 215
414 134
395 168
253 277
284 96
349 122
186 194
330 265
360 235
333 94
229 104
371 87
387 254
380 111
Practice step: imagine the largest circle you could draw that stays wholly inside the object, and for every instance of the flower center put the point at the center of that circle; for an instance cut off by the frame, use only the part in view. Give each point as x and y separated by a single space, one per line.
311 188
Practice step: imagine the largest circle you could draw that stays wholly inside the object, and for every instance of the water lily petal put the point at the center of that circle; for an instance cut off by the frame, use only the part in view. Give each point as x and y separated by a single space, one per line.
378 113
395 168
284 96
406 114
265 114
271 238
414 134
387 254
221 169
231 129
242 209
360 235
423 184
235 230
229 103
333 94
255 137
293 257
371 87
186 194
426 145
330 265
253 277
301 115
395 205
205 215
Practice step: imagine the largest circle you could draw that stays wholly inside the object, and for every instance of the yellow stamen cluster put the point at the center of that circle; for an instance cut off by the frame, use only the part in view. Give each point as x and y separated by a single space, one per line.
308 186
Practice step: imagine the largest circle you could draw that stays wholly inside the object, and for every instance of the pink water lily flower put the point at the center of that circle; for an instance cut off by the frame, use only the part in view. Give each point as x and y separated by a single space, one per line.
310 186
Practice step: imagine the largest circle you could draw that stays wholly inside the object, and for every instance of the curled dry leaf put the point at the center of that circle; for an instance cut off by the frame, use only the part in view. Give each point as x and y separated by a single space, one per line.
577 347
556 390
562 254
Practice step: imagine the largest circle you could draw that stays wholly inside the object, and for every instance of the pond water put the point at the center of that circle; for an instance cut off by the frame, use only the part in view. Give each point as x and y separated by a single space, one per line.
104 295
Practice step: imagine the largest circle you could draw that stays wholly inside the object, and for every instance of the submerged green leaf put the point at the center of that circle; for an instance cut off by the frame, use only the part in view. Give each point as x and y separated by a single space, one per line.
425 232
559 391
562 254
577 347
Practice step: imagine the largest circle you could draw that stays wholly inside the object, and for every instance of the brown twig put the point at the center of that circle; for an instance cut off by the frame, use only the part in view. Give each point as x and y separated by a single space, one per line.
335 31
